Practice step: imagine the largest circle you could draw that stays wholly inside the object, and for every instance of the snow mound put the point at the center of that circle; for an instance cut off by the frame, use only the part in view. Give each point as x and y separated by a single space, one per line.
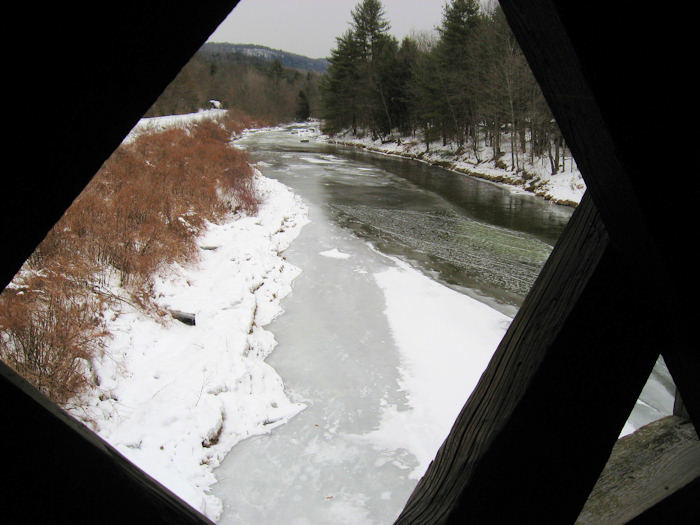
335 254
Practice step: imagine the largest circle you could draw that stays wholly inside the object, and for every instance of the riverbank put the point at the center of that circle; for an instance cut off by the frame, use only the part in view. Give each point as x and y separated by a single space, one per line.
174 398
565 188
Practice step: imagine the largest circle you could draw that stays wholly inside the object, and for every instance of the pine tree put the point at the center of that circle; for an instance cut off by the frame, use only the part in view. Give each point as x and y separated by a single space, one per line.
469 84
339 86
356 90
458 72
303 110
425 93
369 28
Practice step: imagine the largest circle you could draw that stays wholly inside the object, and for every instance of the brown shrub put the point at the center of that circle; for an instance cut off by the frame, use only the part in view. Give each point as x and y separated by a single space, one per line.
49 335
143 209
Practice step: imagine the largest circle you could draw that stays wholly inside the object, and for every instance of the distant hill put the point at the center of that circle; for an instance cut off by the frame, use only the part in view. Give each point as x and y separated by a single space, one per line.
248 52
263 83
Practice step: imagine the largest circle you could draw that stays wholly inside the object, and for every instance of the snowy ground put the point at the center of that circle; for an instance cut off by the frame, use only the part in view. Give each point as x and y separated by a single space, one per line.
175 398
156 124
566 187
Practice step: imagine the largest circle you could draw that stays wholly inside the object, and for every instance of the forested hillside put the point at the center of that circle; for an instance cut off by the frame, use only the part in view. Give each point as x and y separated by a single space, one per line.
252 52
468 84
261 88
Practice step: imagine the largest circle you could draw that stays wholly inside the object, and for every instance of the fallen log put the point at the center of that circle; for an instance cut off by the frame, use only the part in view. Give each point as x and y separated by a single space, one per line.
184 317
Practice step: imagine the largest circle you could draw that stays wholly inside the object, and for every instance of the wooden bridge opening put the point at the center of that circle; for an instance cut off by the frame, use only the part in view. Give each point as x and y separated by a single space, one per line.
618 287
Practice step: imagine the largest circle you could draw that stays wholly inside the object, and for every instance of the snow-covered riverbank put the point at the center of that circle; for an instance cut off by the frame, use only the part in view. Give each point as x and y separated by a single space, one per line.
175 398
566 187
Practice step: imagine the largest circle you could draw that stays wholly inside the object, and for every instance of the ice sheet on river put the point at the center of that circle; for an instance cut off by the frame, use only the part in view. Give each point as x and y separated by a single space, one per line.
381 390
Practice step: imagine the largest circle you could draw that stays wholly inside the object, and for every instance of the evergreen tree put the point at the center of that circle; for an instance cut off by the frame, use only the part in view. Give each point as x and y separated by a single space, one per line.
458 67
303 110
470 84
425 93
400 78
356 89
369 28
339 86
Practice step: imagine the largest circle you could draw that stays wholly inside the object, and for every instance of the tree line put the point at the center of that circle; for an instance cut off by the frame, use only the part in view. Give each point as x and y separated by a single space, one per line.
467 84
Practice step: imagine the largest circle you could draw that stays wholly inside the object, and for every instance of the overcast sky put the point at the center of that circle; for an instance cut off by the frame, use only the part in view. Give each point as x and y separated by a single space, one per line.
309 27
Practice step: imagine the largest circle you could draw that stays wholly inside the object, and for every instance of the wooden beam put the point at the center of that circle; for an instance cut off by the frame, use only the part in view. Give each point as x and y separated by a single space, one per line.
645 467
62 472
600 88
535 434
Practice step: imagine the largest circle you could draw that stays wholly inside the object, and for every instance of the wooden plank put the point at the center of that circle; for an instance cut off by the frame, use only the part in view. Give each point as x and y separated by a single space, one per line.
535 434
678 406
644 468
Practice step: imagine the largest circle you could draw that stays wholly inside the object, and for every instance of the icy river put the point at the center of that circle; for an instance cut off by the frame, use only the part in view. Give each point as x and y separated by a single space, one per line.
409 277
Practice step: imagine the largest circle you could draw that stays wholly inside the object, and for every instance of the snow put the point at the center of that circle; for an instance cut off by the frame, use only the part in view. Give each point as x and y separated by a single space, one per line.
335 254
655 401
445 339
156 124
174 398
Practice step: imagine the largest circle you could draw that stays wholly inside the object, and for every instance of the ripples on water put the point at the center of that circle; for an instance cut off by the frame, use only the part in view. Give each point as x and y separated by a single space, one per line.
503 258
466 233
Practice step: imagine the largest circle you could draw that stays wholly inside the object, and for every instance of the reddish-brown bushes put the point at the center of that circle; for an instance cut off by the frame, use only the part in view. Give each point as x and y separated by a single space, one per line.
50 329
144 208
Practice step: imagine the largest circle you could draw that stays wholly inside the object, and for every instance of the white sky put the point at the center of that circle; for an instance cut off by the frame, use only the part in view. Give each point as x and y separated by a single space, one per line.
309 27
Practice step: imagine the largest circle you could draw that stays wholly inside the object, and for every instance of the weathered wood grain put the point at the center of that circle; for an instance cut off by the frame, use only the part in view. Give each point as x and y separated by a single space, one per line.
644 468
680 508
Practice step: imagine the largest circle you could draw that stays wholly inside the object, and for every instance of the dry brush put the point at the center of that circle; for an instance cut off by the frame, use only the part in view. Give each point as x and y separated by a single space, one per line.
143 210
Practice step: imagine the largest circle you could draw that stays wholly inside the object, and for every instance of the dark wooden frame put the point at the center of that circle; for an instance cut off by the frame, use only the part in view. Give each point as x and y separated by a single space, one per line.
534 436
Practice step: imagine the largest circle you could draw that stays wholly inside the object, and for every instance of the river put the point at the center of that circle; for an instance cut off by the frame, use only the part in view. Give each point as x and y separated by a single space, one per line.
410 275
